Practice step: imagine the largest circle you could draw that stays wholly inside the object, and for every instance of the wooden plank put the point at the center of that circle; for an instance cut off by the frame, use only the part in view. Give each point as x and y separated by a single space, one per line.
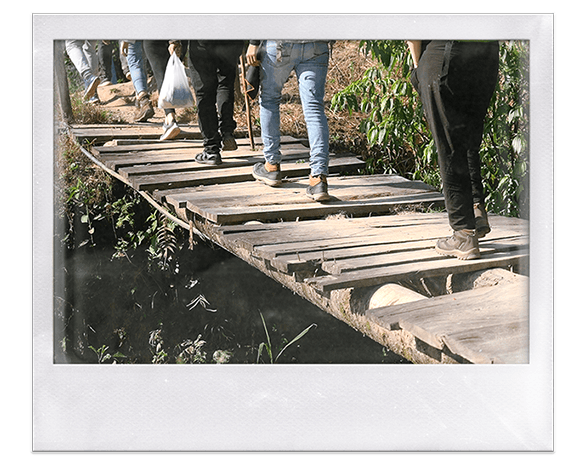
376 221
413 253
134 160
308 238
395 273
344 258
302 209
484 325
135 146
124 144
101 134
322 237
257 193
230 175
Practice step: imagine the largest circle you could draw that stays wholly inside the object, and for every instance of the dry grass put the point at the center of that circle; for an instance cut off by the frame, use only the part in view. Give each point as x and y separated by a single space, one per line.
347 64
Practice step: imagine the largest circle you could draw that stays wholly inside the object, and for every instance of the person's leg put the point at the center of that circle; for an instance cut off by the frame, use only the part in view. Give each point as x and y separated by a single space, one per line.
430 79
85 63
158 56
227 55
276 66
205 82
274 74
482 64
136 65
312 75
447 124
90 51
105 55
123 63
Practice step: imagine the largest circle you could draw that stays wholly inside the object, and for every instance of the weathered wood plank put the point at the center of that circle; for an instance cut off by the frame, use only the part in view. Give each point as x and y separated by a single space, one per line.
413 254
395 273
322 235
104 133
230 175
135 160
122 144
340 256
484 325
302 209
256 193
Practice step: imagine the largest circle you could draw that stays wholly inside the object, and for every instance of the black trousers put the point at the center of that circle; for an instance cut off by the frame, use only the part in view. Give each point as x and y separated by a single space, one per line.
455 81
214 65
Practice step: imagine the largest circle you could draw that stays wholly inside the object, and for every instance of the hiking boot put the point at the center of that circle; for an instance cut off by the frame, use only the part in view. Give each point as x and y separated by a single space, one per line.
481 220
212 159
229 142
144 109
317 188
267 173
463 244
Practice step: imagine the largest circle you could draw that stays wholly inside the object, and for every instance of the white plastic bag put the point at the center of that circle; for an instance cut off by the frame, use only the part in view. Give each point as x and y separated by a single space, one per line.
175 91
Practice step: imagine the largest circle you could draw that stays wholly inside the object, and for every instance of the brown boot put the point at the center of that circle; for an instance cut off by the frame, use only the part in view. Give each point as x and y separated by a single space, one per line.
144 108
481 218
463 244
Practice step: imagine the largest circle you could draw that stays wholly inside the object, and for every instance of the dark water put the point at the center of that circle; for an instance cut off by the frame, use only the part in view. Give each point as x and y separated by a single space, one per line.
135 312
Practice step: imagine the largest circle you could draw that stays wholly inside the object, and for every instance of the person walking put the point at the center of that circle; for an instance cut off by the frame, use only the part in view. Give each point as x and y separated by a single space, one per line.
158 53
455 81
213 67
83 54
309 60
133 51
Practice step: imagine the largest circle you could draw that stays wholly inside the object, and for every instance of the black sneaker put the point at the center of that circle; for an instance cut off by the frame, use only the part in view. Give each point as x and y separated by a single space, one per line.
317 188
463 244
211 159
481 219
259 172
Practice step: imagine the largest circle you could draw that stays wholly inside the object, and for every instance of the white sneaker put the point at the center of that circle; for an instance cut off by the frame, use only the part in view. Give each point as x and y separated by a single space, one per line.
170 131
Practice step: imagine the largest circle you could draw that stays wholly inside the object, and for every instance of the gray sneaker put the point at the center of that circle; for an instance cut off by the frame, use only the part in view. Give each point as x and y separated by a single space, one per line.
463 244
318 188
260 173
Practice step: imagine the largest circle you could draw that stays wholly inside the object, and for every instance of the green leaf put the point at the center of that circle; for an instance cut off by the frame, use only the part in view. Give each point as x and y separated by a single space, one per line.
299 336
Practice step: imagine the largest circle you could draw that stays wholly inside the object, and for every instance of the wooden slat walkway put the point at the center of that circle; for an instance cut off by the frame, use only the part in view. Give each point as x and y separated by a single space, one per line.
336 253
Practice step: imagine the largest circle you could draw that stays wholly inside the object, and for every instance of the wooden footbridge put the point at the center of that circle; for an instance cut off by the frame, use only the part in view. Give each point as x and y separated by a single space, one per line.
366 257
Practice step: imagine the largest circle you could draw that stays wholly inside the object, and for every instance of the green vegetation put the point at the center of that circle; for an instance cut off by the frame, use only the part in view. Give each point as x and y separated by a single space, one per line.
394 125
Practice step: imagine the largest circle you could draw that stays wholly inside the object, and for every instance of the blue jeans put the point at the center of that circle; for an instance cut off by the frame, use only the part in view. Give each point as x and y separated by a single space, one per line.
136 63
309 61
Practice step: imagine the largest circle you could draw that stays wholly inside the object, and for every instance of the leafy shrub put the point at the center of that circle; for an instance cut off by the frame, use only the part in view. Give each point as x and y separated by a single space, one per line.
395 126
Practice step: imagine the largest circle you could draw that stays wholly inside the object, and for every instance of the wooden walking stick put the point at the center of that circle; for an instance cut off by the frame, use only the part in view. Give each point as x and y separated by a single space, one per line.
246 101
